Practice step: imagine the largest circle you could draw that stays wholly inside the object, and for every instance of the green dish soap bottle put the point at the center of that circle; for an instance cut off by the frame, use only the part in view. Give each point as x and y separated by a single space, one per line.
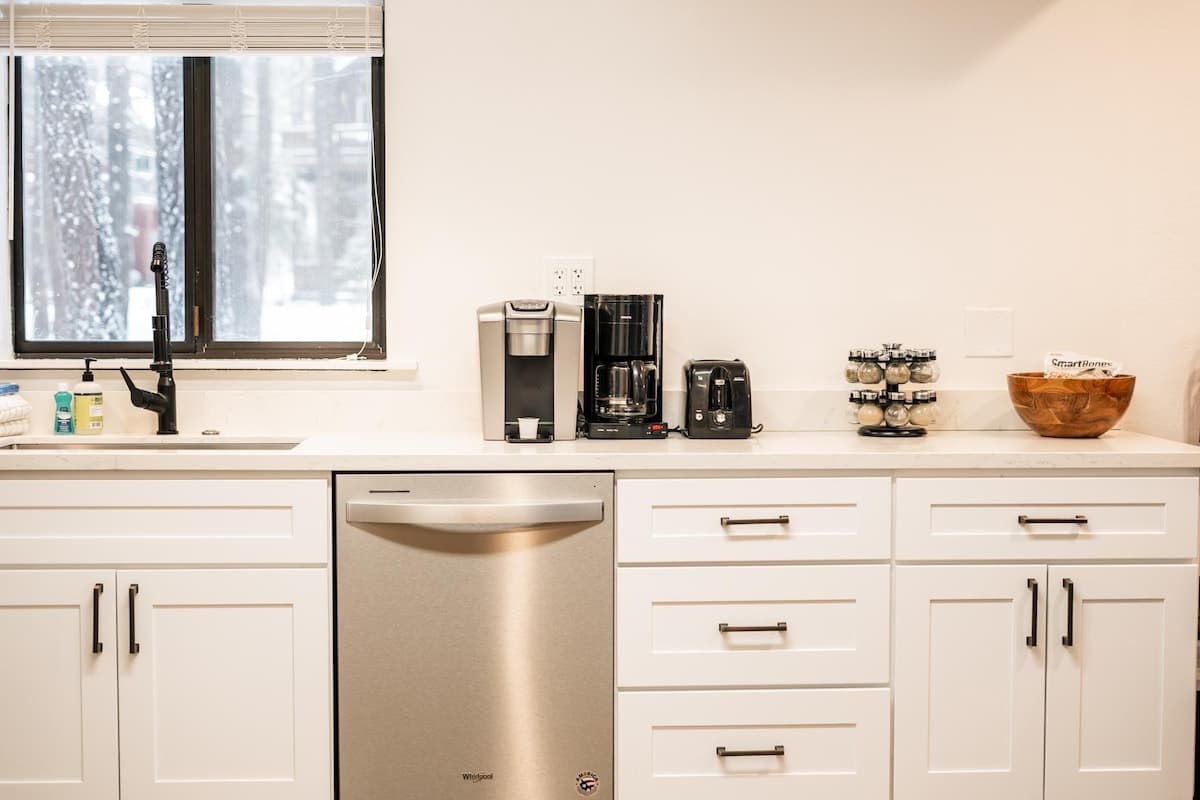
64 417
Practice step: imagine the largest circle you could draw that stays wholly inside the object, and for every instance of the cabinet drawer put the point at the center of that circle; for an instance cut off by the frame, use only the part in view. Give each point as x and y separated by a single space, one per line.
669 625
707 520
1003 518
136 521
835 744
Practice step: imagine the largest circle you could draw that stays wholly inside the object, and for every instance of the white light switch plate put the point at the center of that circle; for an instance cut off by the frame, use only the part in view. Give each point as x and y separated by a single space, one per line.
989 332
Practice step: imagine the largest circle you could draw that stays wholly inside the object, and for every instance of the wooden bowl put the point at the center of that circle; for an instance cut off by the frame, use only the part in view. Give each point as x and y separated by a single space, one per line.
1070 408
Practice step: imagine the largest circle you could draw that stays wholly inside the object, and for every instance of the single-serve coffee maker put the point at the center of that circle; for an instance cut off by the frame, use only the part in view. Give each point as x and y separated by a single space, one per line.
622 351
529 370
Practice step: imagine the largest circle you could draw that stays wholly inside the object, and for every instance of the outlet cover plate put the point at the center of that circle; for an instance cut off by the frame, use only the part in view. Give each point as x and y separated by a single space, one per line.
570 277
988 332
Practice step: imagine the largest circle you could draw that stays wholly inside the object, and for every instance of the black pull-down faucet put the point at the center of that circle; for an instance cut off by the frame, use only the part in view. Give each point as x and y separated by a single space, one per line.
161 402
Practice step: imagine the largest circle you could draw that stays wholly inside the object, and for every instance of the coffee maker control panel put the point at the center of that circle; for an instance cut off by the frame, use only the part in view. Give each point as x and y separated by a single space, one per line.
627 430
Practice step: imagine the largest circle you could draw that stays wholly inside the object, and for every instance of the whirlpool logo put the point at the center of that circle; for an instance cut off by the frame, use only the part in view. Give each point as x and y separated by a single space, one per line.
478 777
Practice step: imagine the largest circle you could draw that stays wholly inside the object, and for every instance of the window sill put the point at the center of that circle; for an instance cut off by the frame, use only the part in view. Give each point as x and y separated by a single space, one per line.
224 364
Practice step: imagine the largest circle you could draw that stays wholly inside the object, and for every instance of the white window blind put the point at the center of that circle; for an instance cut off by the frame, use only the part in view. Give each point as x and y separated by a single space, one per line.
194 29
183 28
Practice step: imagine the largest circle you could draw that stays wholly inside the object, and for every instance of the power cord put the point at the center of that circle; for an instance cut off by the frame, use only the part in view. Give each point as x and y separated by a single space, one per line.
678 429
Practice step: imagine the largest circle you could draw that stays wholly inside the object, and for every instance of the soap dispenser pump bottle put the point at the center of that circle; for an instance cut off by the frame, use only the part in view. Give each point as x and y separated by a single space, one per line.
89 403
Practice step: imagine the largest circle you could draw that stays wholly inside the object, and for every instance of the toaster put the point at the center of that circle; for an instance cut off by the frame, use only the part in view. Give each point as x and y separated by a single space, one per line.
717 400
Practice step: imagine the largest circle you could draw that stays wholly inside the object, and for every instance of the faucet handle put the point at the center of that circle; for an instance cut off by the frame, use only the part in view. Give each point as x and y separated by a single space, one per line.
139 397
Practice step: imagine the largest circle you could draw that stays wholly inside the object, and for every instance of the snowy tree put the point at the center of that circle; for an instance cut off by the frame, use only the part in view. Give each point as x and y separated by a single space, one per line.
167 83
239 294
89 297
260 255
118 178
325 103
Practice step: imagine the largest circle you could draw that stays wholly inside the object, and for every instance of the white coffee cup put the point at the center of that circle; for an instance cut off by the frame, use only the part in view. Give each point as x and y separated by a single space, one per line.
527 427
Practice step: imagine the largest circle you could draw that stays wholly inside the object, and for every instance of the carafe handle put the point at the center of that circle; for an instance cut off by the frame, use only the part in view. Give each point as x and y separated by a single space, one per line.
637 389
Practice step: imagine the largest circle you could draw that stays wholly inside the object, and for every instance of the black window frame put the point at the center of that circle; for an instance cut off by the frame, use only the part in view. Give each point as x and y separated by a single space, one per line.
199 273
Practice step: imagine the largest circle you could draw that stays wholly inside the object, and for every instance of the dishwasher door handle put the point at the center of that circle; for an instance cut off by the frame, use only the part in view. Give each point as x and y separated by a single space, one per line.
471 516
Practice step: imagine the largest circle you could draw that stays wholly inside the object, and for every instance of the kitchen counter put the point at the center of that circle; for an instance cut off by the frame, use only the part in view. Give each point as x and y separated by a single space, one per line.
957 450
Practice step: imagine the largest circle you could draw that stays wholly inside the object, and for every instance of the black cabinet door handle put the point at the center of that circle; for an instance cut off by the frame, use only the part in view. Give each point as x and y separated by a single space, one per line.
723 753
97 645
134 647
1069 639
782 519
1078 519
1031 639
725 627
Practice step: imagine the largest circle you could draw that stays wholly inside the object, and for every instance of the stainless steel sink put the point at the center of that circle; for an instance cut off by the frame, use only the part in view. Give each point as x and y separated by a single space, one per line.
151 446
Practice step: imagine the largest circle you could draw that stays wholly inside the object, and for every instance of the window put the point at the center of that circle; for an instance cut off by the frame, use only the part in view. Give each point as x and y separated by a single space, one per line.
258 172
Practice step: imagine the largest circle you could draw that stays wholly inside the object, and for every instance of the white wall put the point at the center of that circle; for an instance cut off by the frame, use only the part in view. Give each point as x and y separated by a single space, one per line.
798 177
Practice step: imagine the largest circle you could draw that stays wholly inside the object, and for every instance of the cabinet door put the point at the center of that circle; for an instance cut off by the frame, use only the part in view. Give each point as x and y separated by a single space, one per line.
58 696
228 692
1120 702
969 683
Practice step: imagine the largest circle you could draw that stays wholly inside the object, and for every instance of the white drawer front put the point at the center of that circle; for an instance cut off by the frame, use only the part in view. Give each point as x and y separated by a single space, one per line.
836 617
836 745
979 518
136 521
804 519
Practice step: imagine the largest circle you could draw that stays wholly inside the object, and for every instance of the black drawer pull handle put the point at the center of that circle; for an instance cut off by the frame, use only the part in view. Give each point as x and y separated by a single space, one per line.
1031 639
782 519
723 753
1078 519
725 627
1069 639
97 645
134 647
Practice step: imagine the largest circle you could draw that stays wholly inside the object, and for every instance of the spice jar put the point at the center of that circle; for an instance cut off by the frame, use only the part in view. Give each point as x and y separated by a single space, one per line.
869 371
853 365
896 413
934 370
870 412
921 412
921 370
853 406
934 408
897 371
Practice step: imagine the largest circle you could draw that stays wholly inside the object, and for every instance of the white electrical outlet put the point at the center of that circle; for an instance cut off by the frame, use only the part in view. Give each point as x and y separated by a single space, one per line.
556 281
570 277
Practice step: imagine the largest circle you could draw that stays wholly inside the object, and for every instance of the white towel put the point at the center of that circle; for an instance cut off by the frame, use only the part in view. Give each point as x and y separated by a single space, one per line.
14 407
14 428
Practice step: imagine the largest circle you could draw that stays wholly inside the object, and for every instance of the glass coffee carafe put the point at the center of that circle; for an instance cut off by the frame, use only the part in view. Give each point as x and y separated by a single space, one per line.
626 390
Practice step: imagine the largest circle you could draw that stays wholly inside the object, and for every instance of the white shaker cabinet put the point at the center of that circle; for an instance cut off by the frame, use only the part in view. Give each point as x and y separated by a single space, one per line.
1119 696
1102 700
743 645
58 685
969 683
228 693
221 676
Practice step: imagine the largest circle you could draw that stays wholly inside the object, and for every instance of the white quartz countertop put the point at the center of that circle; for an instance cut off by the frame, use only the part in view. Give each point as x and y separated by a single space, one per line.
940 450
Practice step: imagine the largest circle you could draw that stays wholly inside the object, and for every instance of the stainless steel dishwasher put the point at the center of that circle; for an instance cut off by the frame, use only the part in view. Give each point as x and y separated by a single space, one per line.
475 636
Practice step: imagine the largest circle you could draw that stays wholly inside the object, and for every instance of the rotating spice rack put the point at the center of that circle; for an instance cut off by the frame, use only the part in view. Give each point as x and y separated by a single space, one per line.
894 366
